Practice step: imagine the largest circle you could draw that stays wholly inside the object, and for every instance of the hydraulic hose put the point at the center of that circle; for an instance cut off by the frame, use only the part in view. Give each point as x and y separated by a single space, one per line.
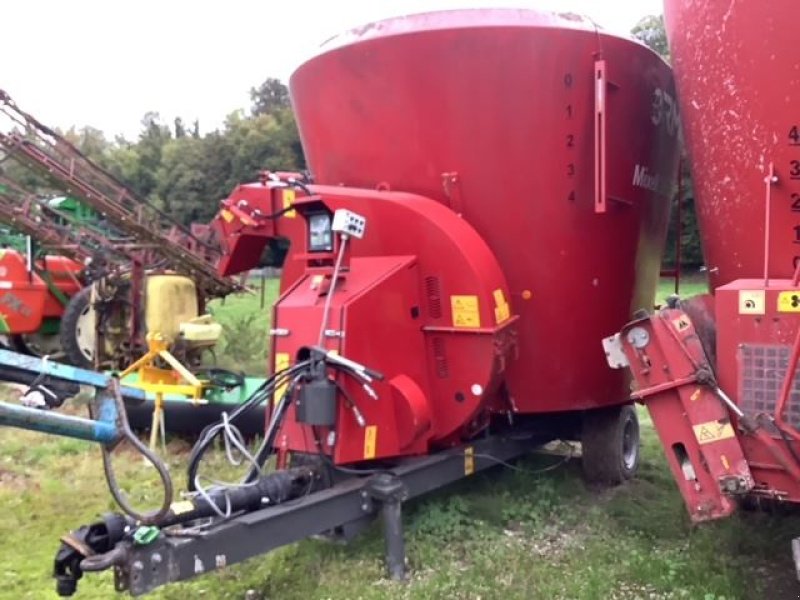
153 517
262 394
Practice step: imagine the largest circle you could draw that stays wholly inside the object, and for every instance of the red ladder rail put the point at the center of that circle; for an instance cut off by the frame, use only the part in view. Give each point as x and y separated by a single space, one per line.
45 151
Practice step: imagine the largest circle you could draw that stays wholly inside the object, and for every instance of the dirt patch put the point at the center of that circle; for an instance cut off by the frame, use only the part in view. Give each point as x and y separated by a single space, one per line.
775 581
635 591
552 540
10 480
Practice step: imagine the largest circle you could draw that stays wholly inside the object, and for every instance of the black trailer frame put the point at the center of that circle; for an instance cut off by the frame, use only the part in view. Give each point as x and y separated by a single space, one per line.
340 511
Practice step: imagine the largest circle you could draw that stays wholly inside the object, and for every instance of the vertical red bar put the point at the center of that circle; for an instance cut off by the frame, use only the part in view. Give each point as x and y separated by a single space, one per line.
138 291
679 227
768 181
600 89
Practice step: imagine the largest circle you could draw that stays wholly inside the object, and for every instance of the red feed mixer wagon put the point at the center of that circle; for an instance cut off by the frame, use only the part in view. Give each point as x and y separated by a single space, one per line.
514 171
490 198
719 372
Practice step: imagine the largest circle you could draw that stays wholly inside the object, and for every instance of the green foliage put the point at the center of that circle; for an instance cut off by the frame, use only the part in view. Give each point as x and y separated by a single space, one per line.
244 343
691 248
445 520
270 97
651 31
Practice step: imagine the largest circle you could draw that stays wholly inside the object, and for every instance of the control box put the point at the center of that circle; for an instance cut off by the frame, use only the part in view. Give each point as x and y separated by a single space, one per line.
349 223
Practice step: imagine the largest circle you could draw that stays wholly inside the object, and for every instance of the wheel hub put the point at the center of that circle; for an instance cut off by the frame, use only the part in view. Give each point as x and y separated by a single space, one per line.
630 444
85 332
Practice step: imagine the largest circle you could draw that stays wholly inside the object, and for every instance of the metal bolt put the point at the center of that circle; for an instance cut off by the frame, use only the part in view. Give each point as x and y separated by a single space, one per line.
365 507
137 565
156 558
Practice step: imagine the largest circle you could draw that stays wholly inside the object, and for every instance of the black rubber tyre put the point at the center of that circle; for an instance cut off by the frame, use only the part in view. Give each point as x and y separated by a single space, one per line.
611 445
71 321
37 345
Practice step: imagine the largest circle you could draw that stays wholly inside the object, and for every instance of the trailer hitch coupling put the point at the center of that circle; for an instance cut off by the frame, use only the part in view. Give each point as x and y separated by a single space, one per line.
86 542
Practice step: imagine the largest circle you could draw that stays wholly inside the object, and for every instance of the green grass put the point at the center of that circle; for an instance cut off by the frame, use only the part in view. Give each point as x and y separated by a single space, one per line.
506 534
245 323
691 284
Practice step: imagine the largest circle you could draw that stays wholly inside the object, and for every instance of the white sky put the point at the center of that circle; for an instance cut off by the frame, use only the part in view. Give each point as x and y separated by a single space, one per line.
106 62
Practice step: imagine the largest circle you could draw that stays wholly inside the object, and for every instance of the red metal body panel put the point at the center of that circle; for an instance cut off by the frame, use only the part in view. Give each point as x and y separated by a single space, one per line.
65 274
753 346
666 356
493 114
396 308
733 430
25 299
739 86
242 235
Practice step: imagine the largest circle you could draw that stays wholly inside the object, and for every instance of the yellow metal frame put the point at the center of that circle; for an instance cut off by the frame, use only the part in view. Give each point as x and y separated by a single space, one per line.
177 380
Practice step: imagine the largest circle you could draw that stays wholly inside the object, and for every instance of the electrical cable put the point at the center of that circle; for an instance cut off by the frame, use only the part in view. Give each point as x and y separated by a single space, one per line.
346 470
332 288
299 184
262 394
564 459
233 438
271 432
256 462
211 431
351 404
277 214
205 495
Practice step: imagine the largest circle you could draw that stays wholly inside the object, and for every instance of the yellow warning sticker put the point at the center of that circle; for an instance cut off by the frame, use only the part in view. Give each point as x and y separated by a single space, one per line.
789 302
501 309
469 460
226 215
681 323
713 431
282 362
179 508
725 462
370 441
466 312
695 395
288 200
752 302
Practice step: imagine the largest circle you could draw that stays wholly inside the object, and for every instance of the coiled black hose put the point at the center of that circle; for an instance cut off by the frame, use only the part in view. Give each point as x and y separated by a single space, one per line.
210 432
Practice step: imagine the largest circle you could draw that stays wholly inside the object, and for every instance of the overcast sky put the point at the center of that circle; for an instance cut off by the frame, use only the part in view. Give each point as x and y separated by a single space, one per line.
106 62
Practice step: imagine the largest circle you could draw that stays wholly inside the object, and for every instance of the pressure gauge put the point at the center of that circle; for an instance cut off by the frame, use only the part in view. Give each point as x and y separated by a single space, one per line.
320 234
638 337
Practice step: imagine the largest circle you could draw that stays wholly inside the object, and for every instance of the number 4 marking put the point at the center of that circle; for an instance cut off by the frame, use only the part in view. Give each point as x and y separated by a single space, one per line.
794 136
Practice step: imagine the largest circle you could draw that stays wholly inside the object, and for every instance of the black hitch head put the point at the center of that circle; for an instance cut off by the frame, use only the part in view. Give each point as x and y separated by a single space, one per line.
89 540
